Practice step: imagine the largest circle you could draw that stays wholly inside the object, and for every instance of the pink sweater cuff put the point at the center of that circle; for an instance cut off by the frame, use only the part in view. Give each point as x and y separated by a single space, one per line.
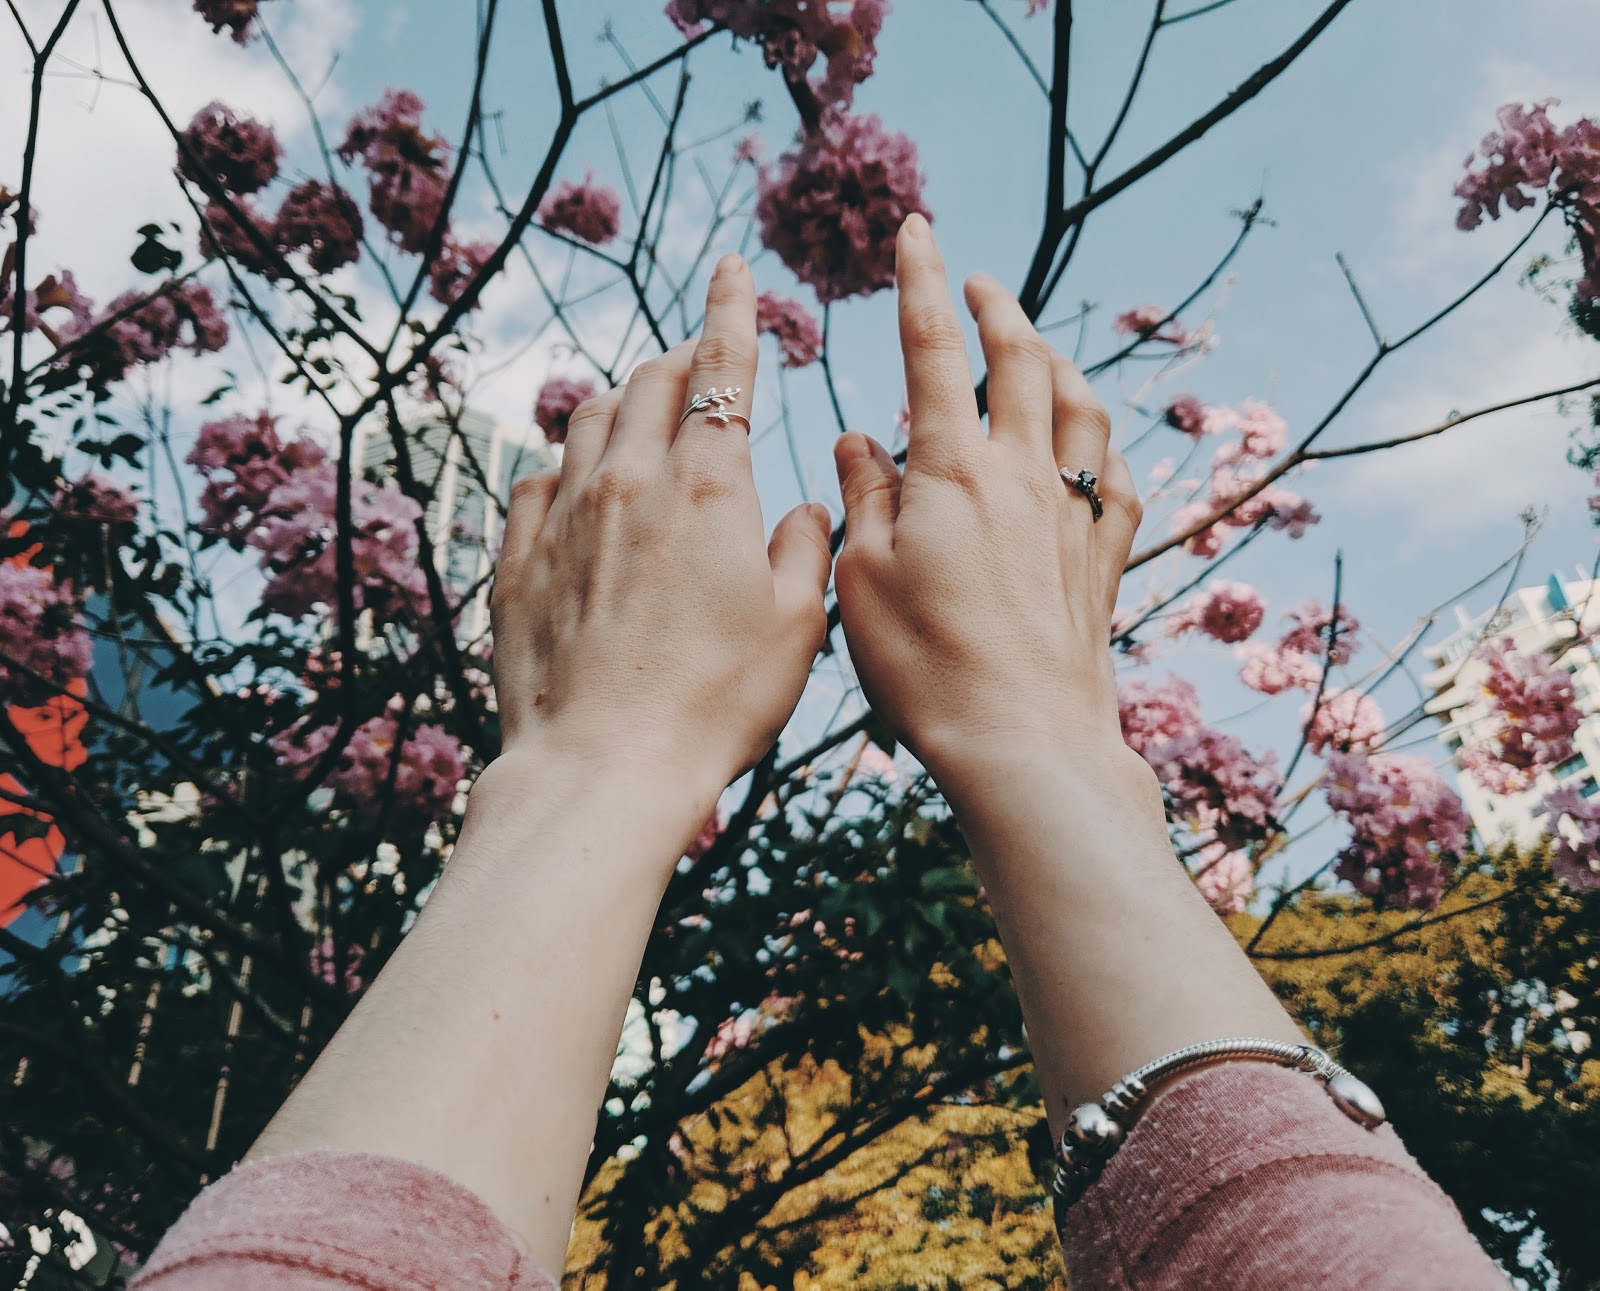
331 1218
1248 1176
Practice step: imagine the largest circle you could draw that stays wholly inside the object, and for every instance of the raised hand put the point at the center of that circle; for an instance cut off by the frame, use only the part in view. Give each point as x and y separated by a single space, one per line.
976 588
639 619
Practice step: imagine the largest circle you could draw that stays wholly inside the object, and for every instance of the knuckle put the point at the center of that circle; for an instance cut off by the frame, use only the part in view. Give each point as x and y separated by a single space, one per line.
611 487
529 490
933 327
1023 345
595 408
721 353
1087 413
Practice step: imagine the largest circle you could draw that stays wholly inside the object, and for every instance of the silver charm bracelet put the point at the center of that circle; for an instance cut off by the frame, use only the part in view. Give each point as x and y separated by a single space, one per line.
1096 1130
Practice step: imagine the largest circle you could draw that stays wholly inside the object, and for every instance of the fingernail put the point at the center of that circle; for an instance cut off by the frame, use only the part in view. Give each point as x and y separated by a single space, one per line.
730 263
820 514
916 225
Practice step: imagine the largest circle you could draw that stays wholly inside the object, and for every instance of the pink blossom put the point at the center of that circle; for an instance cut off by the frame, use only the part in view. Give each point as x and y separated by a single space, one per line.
322 220
1575 861
1216 786
457 265
749 150
1262 433
236 15
1346 720
1406 826
559 398
223 151
224 237
794 33
97 497
1036 7
1207 543
1290 512
1150 323
1187 413
180 315
831 209
1223 610
40 633
1153 713
1312 627
408 791
295 533
1272 670
407 167
244 460
1230 485
588 211
799 334
1225 878
1533 716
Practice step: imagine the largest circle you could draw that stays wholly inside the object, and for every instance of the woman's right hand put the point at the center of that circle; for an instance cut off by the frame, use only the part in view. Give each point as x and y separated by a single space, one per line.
976 589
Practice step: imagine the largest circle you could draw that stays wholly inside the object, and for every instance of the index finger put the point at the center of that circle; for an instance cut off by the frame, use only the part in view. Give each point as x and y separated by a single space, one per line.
944 412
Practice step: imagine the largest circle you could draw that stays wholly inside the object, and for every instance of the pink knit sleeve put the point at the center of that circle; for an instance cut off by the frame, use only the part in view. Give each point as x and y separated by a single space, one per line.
1247 1176
311 1221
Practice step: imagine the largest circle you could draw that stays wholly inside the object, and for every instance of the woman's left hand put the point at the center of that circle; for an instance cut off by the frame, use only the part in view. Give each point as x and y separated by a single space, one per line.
640 620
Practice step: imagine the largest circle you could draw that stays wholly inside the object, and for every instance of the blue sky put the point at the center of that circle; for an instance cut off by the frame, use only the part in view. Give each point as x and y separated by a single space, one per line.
1354 151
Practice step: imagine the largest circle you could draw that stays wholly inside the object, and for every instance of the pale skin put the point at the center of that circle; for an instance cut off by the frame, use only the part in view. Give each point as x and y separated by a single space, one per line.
650 646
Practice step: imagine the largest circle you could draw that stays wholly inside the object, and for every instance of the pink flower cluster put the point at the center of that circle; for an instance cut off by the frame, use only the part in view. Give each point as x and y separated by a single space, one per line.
136 328
1222 610
40 633
1406 826
1576 862
1262 433
799 334
409 787
587 211
407 167
1527 156
324 963
794 33
1296 660
558 399
1345 720
457 265
280 499
221 150
236 15
1189 414
831 209
322 220
1150 323
1215 786
1532 718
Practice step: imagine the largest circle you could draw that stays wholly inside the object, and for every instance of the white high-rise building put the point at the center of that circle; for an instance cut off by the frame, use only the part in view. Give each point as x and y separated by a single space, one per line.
469 467
1561 617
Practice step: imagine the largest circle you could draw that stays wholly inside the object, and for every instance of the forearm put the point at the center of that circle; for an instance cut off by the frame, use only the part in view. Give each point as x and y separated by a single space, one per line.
484 1047
1116 957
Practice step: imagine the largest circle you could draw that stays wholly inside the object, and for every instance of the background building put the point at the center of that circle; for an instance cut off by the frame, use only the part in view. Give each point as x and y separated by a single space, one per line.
1561 617
469 465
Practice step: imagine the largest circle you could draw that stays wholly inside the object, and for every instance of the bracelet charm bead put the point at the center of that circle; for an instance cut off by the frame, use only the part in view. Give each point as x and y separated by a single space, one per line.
1095 1131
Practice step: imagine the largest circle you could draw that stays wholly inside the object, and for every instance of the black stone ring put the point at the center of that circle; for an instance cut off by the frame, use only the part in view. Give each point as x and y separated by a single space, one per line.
1084 482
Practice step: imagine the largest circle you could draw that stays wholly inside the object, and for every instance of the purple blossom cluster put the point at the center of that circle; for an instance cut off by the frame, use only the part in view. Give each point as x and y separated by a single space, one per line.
407 167
406 784
238 16
135 329
1223 610
793 34
42 641
1529 156
1532 718
832 207
1406 826
222 151
799 335
1150 323
279 499
97 498
558 399
1345 720
1575 860
584 210
1216 787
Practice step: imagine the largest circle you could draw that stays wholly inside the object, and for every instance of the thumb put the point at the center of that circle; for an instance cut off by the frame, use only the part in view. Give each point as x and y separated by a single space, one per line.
869 482
801 560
